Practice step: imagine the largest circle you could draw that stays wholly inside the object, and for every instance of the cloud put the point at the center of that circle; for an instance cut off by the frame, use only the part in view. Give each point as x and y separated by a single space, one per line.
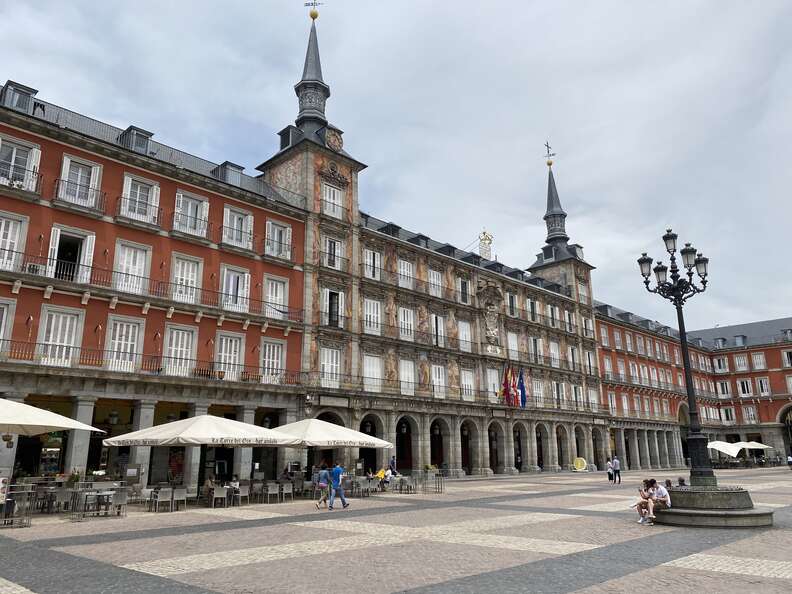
668 115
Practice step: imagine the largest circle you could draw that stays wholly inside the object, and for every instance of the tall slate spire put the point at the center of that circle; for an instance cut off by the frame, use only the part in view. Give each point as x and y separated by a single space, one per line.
312 92
555 217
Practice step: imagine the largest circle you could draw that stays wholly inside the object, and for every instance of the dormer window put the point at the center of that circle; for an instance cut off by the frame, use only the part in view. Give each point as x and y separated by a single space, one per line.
136 139
229 172
739 340
548 253
18 97
720 343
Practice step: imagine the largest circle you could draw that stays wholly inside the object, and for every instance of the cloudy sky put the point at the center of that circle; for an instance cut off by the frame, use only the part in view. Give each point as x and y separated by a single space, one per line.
669 115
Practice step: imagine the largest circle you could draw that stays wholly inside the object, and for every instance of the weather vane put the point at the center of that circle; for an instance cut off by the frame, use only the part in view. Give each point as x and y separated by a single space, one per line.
549 155
313 4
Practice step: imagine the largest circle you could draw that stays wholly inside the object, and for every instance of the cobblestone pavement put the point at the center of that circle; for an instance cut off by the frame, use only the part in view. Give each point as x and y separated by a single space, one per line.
531 533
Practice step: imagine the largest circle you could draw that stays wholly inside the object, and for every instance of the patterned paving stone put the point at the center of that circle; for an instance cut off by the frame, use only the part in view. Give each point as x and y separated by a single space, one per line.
736 565
7 587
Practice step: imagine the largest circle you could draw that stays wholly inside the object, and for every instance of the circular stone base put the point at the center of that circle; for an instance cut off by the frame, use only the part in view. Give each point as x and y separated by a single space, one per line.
716 518
710 498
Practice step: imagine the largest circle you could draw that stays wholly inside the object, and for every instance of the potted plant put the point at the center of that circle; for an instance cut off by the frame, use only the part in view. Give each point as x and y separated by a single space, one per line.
74 478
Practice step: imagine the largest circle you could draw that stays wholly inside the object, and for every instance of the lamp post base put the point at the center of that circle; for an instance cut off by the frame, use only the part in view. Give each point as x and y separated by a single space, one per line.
701 473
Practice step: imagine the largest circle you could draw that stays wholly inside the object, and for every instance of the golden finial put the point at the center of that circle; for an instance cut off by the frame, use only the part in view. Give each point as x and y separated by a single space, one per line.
314 14
549 154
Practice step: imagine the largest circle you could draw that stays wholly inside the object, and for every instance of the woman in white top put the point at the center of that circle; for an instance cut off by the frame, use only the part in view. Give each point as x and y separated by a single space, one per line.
610 471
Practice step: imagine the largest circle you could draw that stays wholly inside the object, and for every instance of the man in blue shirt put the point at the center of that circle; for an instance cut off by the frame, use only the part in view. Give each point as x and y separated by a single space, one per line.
337 488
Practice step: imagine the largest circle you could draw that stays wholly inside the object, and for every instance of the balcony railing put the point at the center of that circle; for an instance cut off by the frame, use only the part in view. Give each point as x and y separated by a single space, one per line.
412 283
190 225
19 178
131 284
236 237
277 249
334 261
79 195
333 320
142 211
334 210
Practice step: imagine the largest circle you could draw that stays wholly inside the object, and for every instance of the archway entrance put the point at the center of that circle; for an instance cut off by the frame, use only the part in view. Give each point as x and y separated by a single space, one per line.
599 449
495 436
439 447
404 445
467 436
518 449
684 427
541 446
316 456
562 445
370 426
580 446
786 419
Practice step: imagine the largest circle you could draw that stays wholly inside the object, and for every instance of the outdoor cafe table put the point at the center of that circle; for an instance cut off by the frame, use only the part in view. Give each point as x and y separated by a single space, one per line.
104 499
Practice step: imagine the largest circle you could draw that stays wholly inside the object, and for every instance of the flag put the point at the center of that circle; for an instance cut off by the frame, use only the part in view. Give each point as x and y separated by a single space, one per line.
521 389
515 393
506 388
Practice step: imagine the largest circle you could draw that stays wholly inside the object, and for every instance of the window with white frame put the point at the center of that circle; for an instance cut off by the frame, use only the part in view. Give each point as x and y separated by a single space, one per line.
656 406
628 341
124 337
573 358
435 283
657 349
583 293
676 356
229 356
727 414
191 215
511 304
186 279
372 373
332 256
537 388
666 412
591 362
639 345
786 358
332 201
576 395
439 381
278 241
763 386
131 268
666 356
272 361
649 352
465 336
330 367
559 394
463 289
680 379
634 372
621 369
437 328
741 362
70 255
744 387
647 407
180 343
372 264
79 182
607 367
19 164
721 364
7 308
276 298
140 200
789 384
625 405
235 289
493 384
653 373
467 384
12 239
759 360
372 316
588 327
406 324
555 354
237 228
553 315
749 414
533 310
333 312
612 402
645 375
535 349
406 274
61 335
407 376
604 337
617 338
512 344
569 321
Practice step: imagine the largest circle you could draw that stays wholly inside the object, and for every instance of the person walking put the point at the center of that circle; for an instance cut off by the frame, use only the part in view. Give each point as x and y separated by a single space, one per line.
392 464
610 471
616 470
337 486
323 483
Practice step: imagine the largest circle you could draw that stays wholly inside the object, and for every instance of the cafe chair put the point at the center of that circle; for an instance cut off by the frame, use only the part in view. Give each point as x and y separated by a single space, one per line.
220 493
179 495
273 489
163 497
242 493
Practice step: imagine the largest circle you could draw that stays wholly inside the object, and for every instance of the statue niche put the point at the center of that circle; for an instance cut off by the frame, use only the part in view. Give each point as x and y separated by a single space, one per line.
490 297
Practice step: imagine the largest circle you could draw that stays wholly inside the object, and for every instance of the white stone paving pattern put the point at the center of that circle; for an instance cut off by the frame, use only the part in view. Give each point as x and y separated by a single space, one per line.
736 565
7 587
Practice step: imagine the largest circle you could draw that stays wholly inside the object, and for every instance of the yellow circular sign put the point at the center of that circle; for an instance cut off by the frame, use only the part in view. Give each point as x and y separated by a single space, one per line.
580 464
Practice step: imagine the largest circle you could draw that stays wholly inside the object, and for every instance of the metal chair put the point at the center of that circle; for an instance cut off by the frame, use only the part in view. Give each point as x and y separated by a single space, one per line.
299 485
257 491
192 494
62 498
162 497
273 489
120 498
179 495
288 489
220 493
242 492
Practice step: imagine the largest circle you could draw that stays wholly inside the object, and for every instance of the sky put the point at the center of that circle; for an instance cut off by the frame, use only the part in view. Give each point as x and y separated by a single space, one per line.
673 114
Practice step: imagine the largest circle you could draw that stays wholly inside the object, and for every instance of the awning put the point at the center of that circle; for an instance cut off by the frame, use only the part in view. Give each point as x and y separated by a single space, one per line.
317 433
22 419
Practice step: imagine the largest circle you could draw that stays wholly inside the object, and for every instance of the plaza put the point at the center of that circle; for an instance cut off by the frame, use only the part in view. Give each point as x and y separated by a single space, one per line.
556 532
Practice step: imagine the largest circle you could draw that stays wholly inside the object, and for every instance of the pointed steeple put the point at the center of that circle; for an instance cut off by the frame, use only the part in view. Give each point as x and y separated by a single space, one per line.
312 92
555 217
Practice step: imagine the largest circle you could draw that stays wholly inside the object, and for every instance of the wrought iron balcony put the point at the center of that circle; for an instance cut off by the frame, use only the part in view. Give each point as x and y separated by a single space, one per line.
277 249
83 196
334 261
191 225
19 178
139 211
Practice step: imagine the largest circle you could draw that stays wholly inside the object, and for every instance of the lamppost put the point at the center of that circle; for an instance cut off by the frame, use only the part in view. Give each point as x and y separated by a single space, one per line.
677 289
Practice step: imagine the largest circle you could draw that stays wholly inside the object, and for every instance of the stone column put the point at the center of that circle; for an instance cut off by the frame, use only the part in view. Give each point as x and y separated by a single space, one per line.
192 455
635 457
484 450
389 434
142 418
243 457
680 455
621 450
654 452
424 443
285 455
591 458
643 445
531 462
571 445
508 446
662 445
8 455
79 441
455 443
552 446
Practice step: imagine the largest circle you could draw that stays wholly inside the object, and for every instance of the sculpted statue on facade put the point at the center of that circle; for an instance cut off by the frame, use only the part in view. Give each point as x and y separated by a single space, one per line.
491 297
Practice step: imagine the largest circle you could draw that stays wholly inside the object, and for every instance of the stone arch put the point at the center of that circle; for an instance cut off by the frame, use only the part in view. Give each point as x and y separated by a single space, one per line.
496 434
522 446
373 459
562 445
542 438
600 446
407 444
319 456
469 435
581 447
332 416
785 418
440 443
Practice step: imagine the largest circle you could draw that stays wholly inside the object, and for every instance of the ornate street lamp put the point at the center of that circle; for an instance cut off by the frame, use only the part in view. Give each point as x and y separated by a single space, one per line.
677 289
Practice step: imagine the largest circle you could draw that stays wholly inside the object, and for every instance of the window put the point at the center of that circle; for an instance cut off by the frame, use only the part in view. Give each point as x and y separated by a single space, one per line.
666 356
653 373
124 338
463 289
19 163
573 358
605 339
278 242
493 385
140 200
555 355
588 327
741 362
406 274
680 380
749 414
7 308
229 356
438 330
79 183
406 324
439 381
276 292
721 364
512 341
759 361
612 402
532 310
789 384
271 361
559 394
186 279
333 308
629 341
465 337
511 304
535 350
235 289
583 293
61 337
332 256
70 255
372 263
591 365
644 375
330 367
657 349
237 228
649 352
617 340
191 215
576 396
467 385
372 316
11 242
647 409
622 369
17 98
639 345
727 414
786 358
676 356
607 367
763 385
372 373
634 372
538 391
744 387
332 201
569 321
179 350
131 269
407 376
553 315
435 283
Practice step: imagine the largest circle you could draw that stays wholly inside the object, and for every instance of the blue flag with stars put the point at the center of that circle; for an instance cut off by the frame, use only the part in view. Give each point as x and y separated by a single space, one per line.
521 390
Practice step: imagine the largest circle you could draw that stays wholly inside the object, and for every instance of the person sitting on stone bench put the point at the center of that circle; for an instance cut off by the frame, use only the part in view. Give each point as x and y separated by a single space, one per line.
659 498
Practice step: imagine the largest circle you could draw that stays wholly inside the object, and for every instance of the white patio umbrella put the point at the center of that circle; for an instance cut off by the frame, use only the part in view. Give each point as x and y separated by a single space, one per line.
203 430
755 445
317 433
730 449
22 419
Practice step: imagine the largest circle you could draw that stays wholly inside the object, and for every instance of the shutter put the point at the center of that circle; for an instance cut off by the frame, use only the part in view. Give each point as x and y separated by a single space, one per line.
52 255
94 183
127 186
249 230
245 301
271 248
204 215
177 212
287 249
86 259
325 306
64 174
341 309
154 203
226 224
34 159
